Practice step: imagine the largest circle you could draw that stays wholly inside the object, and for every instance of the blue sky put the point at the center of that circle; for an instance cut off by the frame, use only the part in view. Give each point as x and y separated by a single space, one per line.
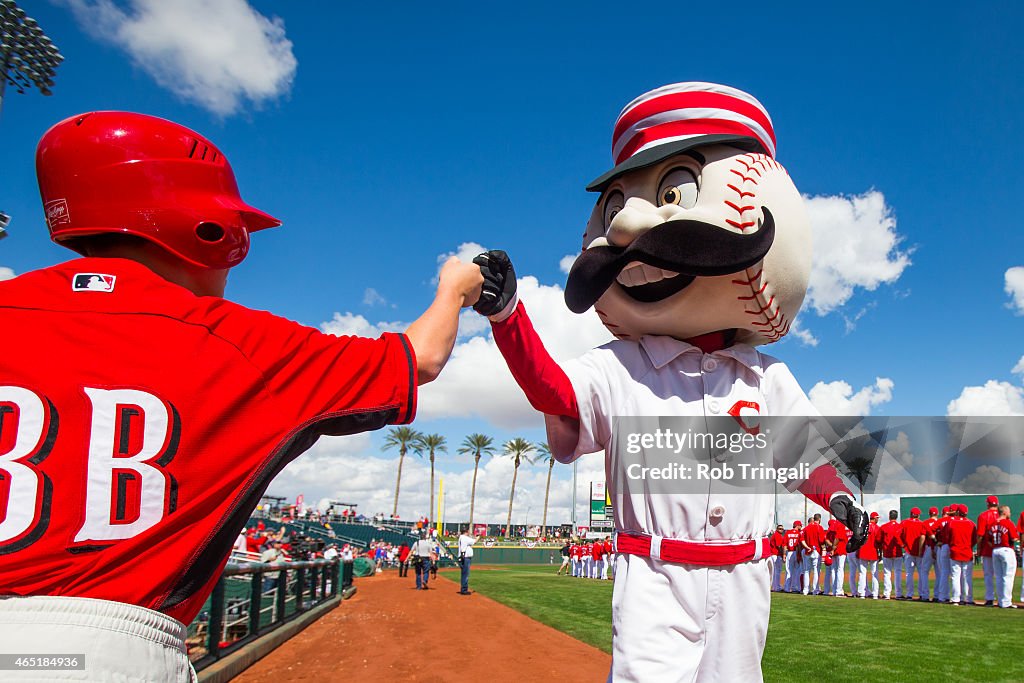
384 138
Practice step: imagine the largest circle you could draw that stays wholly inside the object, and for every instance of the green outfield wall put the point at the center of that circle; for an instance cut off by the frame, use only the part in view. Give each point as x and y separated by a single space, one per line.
975 504
483 555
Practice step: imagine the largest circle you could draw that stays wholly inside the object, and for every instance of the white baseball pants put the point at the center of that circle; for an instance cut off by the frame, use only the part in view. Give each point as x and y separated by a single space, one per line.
986 567
890 569
792 572
924 566
943 571
854 572
119 642
838 568
960 575
812 562
676 623
1004 568
867 568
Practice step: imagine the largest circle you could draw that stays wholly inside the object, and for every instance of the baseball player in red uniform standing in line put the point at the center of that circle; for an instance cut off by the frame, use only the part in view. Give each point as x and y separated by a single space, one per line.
1001 536
892 555
778 547
963 535
1020 530
837 536
985 519
942 562
928 561
142 416
609 557
794 537
912 536
814 534
597 553
867 559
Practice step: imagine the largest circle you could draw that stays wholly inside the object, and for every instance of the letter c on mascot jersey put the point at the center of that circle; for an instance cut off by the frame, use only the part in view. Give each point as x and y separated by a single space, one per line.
698 249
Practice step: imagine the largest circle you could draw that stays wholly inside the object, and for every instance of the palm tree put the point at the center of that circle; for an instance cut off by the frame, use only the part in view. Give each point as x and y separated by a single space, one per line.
544 453
403 438
431 443
476 444
518 449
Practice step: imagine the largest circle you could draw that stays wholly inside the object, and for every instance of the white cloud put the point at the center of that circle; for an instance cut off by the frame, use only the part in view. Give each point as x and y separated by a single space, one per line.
1018 369
216 53
1015 288
838 397
805 336
855 246
993 399
6 273
565 265
461 391
351 324
371 297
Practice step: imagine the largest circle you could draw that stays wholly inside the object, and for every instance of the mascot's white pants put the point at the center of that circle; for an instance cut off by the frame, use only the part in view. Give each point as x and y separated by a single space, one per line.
675 622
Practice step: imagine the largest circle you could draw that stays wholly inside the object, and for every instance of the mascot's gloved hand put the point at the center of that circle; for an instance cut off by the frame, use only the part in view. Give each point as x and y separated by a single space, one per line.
846 510
498 297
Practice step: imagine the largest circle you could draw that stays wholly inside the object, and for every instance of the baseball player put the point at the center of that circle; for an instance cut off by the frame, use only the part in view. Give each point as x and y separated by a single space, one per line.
985 519
837 537
778 547
892 555
575 552
943 566
913 539
963 535
867 560
597 552
688 276
928 556
141 421
814 535
1001 537
608 557
794 557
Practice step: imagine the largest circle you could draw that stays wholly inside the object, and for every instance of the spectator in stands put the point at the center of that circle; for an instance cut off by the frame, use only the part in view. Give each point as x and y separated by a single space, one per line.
241 544
273 553
421 561
331 552
466 541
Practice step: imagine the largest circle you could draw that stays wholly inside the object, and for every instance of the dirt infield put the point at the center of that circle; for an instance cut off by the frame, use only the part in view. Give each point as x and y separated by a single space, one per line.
390 631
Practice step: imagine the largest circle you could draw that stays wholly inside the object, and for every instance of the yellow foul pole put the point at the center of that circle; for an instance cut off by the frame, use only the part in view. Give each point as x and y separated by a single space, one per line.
440 505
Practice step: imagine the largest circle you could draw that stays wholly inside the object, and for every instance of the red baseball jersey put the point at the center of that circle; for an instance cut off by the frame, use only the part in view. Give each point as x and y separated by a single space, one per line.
814 534
1001 534
931 527
912 535
778 543
607 546
962 537
792 539
985 519
837 536
891 533
869 551
1020 523
598 550
140 424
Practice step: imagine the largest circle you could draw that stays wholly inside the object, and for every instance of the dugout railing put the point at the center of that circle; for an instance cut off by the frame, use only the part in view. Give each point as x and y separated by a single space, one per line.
246 604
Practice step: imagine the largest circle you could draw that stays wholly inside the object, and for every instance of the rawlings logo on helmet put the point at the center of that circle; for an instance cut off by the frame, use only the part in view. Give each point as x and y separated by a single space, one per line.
57 212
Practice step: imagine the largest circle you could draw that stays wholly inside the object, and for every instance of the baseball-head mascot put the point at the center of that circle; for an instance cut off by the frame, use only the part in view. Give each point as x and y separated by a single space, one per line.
697 250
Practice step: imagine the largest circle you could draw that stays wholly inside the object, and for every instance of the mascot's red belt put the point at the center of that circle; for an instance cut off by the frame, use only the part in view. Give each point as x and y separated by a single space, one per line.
704 554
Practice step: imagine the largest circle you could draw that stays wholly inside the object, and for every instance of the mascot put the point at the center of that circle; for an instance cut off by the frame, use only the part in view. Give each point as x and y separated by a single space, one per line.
697 251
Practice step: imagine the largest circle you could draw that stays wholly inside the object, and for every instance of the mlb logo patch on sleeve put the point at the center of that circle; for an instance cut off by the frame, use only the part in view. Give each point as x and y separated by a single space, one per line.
93 282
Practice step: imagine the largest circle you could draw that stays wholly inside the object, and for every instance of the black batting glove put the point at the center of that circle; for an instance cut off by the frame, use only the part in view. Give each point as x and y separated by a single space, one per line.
846 510
499 288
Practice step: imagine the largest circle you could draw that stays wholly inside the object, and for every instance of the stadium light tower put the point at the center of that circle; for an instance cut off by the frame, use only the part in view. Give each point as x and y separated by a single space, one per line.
27 58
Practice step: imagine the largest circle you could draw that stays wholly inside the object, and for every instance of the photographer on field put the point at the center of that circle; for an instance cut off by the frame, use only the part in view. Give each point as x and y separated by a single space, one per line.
466 541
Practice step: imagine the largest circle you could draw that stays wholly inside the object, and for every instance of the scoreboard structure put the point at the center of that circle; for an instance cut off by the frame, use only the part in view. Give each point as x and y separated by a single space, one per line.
602 520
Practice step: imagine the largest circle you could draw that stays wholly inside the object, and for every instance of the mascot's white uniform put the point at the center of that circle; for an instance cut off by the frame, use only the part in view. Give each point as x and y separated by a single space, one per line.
697 251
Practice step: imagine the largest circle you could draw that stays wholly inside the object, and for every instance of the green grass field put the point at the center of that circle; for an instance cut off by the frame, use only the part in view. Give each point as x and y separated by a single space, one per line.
809 638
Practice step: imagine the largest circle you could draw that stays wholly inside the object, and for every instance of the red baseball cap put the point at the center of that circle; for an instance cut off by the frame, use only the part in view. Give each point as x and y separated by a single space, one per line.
915 511
874 515
933 510
798 523
963 508
992 500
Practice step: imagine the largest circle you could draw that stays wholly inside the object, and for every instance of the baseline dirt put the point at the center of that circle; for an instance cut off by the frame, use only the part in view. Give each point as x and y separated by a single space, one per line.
390 631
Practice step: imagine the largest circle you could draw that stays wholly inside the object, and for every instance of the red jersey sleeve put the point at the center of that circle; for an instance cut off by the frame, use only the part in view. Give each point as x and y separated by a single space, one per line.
314 375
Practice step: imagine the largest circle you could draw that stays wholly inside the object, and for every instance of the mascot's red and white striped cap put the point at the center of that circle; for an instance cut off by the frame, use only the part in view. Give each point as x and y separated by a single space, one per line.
671 119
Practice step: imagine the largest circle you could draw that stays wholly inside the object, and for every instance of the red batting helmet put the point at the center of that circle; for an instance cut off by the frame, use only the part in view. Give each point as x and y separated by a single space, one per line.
119 172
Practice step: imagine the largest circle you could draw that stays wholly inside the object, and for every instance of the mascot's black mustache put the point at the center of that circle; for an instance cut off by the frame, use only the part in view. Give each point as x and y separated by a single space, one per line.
687 247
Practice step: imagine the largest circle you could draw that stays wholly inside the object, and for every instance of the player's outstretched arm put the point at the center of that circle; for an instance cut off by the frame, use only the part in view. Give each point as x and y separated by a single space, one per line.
432 335
545 384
